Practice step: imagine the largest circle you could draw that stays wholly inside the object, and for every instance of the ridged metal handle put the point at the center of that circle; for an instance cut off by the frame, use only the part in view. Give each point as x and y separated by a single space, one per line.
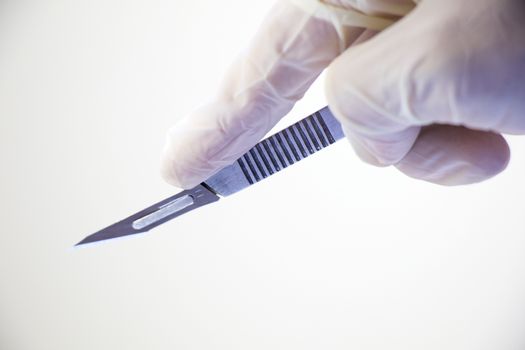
286 147
271 155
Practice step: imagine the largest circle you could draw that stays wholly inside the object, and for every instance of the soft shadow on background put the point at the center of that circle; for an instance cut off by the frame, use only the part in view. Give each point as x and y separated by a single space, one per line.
329 253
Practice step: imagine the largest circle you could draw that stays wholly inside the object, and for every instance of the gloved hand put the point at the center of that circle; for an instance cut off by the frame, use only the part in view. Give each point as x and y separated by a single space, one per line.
430 94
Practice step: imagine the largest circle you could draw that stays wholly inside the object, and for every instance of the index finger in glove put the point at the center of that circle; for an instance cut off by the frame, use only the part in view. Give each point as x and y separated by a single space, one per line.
290 50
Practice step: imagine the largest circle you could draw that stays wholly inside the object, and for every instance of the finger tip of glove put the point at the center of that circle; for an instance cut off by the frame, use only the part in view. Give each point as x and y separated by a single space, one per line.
175 168
171 175
167 174
184 183
497 156
453 156
491 158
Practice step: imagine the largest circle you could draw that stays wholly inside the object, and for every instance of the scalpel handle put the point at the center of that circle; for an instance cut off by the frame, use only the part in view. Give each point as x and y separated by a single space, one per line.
309 135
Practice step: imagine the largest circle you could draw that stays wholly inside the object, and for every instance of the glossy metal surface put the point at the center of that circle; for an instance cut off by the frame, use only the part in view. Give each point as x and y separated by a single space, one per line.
156 214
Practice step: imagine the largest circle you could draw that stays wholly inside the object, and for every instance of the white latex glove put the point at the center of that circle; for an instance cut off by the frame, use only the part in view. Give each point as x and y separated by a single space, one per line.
460 63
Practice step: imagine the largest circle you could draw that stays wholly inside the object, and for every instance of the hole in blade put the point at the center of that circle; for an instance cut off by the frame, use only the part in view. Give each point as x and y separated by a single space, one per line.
166 210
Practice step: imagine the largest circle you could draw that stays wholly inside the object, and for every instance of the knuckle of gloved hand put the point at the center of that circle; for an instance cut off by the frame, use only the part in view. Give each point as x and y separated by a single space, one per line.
343 96
480 71
360 103
362 124
477 64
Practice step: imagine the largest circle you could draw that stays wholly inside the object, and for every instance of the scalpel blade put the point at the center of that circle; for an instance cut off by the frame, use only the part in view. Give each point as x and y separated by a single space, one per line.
156 214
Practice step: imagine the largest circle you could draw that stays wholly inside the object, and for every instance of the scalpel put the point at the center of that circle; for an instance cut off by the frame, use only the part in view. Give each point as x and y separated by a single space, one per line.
309 135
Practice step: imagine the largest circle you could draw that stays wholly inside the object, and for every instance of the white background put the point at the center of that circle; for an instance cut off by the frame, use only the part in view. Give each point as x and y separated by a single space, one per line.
331 253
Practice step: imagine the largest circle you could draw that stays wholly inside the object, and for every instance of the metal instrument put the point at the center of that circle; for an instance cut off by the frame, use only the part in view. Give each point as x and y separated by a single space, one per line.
266 158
